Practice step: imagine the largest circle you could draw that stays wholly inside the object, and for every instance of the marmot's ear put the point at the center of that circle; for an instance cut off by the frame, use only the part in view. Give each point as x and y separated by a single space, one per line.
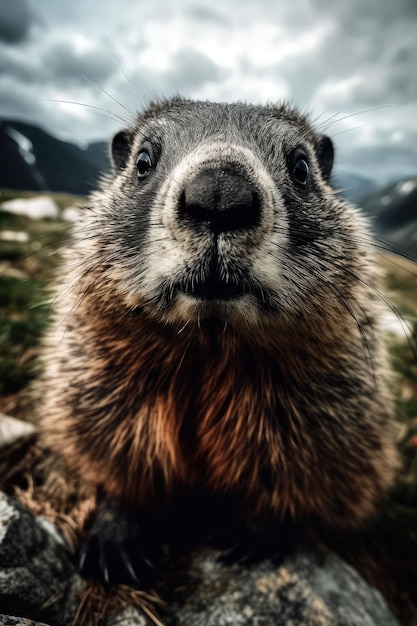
119 149
325 154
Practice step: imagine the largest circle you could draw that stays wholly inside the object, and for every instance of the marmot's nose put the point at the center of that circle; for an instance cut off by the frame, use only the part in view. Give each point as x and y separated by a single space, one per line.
222 199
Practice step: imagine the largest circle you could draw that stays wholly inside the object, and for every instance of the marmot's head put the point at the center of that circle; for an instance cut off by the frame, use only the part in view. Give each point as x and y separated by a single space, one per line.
224 211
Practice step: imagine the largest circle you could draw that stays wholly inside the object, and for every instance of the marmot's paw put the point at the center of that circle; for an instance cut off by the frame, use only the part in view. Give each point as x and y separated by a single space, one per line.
120 548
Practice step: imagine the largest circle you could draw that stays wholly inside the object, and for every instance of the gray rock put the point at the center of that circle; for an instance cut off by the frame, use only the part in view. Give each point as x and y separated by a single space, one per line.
129 617
300 592
8 620
39 580
35 566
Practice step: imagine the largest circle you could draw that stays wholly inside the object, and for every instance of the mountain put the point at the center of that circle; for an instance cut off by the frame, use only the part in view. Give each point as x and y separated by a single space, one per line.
394 214
17 161
392 208
32 159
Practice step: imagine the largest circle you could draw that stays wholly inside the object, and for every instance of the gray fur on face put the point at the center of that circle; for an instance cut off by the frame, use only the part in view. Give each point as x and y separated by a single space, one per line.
299 246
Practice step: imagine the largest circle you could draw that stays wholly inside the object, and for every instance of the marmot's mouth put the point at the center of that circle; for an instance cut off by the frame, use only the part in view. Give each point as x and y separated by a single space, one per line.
214 288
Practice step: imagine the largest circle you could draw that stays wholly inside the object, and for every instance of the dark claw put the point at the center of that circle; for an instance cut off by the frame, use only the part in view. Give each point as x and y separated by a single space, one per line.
102 563
126 561
147 562
82 556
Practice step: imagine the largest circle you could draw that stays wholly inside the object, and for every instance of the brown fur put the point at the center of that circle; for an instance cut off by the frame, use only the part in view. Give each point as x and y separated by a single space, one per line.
206 409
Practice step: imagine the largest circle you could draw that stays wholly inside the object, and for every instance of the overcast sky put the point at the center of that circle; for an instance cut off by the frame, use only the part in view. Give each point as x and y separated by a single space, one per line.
333 58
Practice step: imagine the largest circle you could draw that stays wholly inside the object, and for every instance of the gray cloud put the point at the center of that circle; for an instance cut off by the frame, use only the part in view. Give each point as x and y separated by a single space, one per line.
19 101
383 163
369 42
208 16
190 70
63 62
15 21
15 64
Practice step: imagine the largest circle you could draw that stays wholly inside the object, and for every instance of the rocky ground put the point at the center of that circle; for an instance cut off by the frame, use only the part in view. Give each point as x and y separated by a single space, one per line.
39 581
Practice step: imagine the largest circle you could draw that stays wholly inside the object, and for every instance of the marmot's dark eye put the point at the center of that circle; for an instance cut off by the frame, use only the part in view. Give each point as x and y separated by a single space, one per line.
299 168
143 164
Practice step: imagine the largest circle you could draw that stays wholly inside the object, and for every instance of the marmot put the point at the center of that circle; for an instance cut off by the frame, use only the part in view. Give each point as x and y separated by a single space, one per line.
217 352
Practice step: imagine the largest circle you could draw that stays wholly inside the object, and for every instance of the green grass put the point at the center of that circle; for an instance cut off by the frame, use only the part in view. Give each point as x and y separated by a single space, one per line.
26 268
401 287
22 318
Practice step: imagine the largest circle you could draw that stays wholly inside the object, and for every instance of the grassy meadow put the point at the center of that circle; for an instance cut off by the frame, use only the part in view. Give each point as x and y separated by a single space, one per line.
29 254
